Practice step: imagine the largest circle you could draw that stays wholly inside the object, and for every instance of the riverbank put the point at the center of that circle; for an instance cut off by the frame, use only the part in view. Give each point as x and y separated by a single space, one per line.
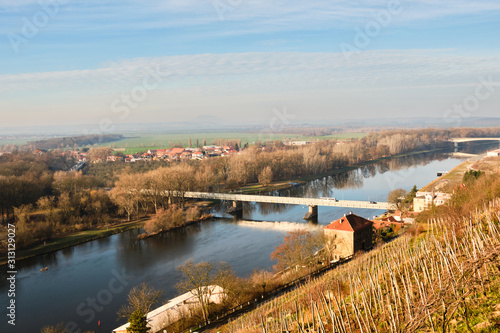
74 239
279 185
454 177
83 237
203 218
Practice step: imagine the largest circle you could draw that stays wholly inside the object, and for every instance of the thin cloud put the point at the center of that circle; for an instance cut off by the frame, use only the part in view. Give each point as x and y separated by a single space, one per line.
322 69
250 17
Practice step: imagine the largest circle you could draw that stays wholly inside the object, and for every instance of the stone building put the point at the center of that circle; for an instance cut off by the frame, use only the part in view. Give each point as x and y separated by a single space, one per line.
349 234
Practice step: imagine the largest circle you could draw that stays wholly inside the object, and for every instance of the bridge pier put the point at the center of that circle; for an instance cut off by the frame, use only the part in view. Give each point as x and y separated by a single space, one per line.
236 210
312 214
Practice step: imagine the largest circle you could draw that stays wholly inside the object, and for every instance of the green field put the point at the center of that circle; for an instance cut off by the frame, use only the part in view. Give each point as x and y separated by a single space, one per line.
138 142
144 141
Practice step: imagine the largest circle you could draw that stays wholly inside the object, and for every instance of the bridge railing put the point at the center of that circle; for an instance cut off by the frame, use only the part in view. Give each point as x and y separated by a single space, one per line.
288 200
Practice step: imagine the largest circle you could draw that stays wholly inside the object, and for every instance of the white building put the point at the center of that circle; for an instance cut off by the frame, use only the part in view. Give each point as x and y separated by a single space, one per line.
493 153
424 200
296 143
176 308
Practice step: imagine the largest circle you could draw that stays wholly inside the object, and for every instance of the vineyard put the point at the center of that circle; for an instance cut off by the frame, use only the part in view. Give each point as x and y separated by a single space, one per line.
444 278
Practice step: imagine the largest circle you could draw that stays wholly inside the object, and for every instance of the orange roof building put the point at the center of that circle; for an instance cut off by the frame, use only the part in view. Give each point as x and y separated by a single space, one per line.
348 235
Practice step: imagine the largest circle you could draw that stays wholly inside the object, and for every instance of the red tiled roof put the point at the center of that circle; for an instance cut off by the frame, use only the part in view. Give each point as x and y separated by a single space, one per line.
349 222
389 219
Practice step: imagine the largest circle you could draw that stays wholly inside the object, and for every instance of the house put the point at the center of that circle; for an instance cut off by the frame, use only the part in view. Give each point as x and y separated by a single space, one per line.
177 150
296 143
160 153
229 150
175 153
113 158
197 155
176 308
398 220
132 158
424 200
493 153
382 224
405 217
349 234
186 155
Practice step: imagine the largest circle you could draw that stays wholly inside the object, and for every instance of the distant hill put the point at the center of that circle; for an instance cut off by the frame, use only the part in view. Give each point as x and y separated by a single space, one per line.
65 142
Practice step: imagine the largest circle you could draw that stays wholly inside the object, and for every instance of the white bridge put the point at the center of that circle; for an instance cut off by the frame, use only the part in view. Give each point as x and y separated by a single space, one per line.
313 203
456 141
473 139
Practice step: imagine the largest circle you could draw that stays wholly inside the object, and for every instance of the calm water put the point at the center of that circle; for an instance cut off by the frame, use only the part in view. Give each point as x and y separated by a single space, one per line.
88 283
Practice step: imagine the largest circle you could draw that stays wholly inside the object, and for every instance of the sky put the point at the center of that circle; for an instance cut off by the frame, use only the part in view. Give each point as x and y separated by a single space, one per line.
106 63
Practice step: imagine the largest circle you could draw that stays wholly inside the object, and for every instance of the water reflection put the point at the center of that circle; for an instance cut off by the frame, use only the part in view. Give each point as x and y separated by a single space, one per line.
68 252
383 176
82 271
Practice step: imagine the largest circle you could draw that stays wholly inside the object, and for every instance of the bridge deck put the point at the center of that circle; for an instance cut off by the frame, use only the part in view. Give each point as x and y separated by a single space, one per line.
473 139
290 200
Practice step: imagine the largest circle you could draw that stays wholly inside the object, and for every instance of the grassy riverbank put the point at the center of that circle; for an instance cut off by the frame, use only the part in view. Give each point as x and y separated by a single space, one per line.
454 177
74 239
86 236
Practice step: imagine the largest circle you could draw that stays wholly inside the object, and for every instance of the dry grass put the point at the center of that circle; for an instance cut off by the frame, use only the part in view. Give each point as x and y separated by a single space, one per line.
488 165
452 178
446 280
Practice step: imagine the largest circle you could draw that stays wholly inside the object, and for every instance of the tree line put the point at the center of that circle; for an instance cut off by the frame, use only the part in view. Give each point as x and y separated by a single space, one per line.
51 202
72 141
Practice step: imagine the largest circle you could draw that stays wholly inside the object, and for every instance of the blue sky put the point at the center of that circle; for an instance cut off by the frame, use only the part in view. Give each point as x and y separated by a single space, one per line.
75 62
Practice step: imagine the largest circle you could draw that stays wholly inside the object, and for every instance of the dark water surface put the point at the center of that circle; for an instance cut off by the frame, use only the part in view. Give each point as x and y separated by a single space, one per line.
88 283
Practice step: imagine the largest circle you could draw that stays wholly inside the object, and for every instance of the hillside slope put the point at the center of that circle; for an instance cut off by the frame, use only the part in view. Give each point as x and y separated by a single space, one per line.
444 278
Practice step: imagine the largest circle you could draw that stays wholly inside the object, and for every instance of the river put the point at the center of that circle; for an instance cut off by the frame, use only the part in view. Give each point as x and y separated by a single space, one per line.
88 283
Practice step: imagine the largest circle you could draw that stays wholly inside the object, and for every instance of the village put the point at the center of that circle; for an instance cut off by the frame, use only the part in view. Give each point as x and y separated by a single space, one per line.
172 154
176 153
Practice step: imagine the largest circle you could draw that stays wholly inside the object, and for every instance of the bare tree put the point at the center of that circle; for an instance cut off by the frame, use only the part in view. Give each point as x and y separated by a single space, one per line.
297 248
126 193
140 298
98 154
261 279
266 176
397 197
200 279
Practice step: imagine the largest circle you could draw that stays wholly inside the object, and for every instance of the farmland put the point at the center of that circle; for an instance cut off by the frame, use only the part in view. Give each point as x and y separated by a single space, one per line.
144 141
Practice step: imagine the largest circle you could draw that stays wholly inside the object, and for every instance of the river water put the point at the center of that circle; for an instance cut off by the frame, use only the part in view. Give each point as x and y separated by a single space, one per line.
88 283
